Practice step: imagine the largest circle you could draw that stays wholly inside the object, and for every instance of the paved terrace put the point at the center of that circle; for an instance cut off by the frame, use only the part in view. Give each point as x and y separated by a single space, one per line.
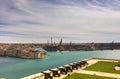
90 62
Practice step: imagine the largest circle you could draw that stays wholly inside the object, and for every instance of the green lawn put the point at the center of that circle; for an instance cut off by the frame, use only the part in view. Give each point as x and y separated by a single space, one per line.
103 67
85 76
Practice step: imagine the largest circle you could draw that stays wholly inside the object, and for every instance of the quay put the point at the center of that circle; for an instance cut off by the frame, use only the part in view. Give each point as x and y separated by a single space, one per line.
63 71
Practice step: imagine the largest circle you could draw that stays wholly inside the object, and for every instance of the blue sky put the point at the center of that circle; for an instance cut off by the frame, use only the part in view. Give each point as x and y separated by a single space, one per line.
35 21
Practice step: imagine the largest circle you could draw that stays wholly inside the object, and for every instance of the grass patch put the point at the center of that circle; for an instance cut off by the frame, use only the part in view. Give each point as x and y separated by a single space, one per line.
85 76
103 67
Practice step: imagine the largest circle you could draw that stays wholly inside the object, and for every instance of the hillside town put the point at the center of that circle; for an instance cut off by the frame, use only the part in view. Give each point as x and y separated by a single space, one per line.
22 51
39 50
30 50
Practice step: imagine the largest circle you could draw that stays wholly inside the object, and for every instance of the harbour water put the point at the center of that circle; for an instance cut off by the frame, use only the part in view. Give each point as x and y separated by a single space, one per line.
15 68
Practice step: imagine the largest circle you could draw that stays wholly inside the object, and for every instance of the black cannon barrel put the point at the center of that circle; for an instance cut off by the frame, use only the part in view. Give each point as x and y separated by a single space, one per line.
68 68
56 72
62 70
74 66
48 74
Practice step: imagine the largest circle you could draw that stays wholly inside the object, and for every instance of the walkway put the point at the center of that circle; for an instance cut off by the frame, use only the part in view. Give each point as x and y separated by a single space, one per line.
91 62
92 73
112 75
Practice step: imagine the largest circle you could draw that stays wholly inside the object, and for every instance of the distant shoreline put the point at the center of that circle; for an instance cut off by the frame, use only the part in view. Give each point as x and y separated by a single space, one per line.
69 46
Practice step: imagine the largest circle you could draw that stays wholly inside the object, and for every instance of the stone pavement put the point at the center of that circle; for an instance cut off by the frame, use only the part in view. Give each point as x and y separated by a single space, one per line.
91 62
112 75
92 73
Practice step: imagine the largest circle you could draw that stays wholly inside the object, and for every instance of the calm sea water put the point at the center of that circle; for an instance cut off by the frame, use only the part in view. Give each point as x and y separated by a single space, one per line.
15 68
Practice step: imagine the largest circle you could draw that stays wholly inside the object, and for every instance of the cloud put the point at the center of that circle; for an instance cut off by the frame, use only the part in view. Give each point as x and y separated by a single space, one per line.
72 20
3 24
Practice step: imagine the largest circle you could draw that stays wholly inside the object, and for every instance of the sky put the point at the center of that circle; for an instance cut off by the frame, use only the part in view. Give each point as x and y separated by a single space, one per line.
36 21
